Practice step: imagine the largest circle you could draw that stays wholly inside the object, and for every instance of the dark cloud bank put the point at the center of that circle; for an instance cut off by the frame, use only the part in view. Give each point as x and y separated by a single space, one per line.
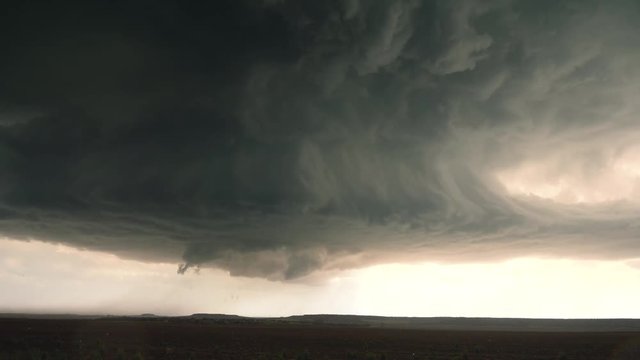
276 138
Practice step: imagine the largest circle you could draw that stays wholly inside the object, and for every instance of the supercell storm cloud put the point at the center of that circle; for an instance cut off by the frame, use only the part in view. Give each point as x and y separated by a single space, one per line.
278 138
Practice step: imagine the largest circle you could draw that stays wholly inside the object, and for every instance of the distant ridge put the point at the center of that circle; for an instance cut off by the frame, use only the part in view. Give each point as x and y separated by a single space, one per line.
216 316
480 324
418 323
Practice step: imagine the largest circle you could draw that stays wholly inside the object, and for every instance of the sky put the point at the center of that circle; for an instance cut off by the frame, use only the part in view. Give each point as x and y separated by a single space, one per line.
278 157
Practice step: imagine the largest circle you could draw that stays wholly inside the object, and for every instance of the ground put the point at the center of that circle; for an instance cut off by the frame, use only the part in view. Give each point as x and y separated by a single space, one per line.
162 338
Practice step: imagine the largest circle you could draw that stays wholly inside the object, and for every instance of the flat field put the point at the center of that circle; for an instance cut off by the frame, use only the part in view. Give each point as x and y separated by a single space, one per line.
171 338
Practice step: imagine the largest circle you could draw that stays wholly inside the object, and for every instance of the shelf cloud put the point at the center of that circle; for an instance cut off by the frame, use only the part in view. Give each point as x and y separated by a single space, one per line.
280 138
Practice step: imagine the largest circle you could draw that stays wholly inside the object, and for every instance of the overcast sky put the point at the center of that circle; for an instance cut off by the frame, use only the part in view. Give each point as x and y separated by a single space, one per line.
306 147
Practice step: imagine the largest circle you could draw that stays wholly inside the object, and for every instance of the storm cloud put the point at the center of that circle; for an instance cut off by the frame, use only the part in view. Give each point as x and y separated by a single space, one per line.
278 138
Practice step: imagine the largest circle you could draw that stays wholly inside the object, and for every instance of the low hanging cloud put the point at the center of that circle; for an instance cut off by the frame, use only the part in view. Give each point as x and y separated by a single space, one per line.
278 138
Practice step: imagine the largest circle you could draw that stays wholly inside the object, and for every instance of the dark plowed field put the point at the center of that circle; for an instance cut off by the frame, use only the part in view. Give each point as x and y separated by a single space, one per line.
187 339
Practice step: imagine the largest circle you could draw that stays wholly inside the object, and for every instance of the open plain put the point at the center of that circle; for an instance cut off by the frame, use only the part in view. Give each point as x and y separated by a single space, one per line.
247 338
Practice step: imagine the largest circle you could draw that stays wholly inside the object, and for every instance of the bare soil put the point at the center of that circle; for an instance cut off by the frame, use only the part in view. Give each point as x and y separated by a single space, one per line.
190 339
